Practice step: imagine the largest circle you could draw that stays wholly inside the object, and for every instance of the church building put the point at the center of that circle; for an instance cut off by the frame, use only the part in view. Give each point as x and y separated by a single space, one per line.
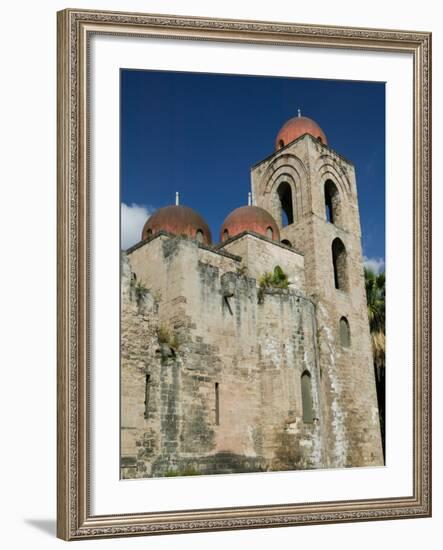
253 353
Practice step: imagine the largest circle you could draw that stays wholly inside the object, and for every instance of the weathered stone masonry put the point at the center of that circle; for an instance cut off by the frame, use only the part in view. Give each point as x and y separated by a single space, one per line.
225 337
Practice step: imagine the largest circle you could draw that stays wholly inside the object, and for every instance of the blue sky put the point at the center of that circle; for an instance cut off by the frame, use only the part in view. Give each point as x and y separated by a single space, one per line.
199 134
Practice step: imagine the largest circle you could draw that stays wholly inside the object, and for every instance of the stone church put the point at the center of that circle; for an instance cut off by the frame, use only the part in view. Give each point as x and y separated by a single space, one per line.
225 370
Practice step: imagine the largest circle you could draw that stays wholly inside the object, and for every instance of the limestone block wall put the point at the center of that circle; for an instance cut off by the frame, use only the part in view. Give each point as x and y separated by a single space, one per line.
224 391
287 349
348 375
260 254
138 358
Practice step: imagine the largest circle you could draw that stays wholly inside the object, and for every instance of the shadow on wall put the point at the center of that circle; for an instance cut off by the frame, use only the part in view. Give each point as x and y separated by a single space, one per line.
48 526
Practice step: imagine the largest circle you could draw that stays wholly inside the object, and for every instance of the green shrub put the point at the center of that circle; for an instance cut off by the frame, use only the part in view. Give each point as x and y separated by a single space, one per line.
277 279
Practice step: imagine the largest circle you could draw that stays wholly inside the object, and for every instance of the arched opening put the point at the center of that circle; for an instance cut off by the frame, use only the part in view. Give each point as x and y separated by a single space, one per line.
199 235
339 264
281 143
320 139
286 242
306 397
149 233
225 235
269 233
284 193
345 333
332 202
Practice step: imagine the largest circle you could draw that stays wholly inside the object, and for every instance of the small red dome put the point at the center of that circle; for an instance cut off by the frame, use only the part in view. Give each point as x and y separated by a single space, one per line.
179 220
297 127
250 218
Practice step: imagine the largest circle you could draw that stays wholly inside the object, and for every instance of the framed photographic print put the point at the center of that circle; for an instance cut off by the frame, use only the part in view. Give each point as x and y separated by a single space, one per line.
243 252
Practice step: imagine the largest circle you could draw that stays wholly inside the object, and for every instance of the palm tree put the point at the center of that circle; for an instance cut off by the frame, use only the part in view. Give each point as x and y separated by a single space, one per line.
375 296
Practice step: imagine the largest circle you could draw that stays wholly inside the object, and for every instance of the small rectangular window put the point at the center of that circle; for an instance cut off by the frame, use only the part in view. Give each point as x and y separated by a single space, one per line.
217 405
147 388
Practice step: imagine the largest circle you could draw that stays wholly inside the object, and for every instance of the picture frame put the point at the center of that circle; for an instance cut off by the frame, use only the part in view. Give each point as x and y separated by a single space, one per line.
75 519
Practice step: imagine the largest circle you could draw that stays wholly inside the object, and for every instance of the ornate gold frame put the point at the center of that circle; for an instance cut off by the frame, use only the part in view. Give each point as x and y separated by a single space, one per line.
74 520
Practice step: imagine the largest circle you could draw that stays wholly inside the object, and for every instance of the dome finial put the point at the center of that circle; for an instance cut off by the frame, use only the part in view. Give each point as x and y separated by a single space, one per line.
299 113
249 198
177 199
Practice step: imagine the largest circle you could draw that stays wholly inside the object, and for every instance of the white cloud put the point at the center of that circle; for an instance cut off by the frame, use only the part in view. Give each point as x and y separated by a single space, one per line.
132 220
374 264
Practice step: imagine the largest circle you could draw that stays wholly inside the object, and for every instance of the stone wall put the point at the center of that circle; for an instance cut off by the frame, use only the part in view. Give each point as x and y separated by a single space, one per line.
287 348
259 254
224 370
138 358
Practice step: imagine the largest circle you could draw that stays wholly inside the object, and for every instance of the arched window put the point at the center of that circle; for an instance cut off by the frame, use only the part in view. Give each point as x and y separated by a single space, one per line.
320 139
306 397
345 333
332 202
269 233
225 235
339 264
281 143
199 235
149 233
284 193
286 242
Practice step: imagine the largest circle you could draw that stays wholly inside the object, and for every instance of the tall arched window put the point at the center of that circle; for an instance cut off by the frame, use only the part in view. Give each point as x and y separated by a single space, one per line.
225 235
332 202
199 235
269 233
339 264
306 397
345 333
284 193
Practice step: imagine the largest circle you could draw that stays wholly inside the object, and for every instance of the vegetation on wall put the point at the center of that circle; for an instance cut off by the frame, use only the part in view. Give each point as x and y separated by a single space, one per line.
166 336
140 291
276 279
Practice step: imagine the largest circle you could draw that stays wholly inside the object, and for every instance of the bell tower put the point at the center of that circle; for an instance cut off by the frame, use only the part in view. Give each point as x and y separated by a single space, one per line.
311 192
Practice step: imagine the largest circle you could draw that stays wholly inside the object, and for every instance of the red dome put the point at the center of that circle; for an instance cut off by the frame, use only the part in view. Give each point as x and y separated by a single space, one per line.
250 218
179 220
296 127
